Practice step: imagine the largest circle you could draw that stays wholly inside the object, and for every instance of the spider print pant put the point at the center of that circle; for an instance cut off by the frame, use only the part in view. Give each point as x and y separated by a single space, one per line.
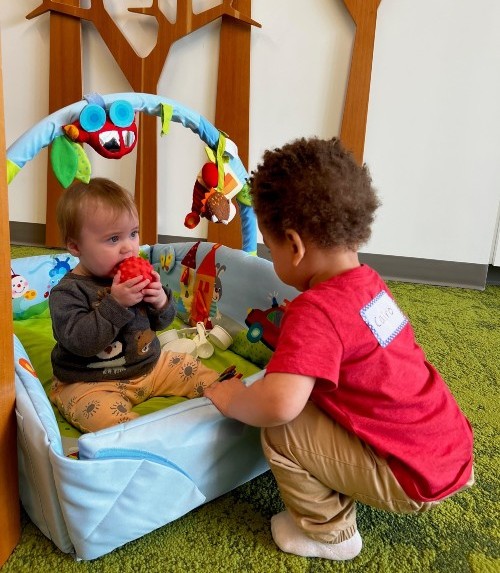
92 406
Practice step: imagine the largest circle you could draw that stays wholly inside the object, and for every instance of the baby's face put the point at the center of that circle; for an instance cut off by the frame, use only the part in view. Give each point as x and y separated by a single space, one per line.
106 239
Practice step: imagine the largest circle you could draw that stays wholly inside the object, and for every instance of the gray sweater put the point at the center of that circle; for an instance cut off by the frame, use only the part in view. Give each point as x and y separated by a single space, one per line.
99 339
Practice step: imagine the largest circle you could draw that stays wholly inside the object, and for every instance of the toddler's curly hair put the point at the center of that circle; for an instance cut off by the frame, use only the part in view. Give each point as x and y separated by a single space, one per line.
317 188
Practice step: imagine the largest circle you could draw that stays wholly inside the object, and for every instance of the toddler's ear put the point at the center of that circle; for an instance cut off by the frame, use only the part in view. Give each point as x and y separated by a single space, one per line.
296 245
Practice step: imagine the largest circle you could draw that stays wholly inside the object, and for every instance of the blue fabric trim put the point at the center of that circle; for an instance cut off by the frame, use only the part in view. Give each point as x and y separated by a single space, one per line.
125 453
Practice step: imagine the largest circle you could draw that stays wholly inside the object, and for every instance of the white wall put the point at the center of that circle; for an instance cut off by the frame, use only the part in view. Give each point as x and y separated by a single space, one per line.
432 136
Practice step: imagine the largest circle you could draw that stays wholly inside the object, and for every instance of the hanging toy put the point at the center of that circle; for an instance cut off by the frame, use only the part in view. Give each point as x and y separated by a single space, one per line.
112 133
107 123
211 196
206 180
208 202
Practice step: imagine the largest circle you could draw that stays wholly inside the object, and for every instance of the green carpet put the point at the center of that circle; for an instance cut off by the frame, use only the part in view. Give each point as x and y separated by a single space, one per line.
460 331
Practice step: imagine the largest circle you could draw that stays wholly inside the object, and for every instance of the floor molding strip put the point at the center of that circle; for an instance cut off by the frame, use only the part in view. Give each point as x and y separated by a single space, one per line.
406 269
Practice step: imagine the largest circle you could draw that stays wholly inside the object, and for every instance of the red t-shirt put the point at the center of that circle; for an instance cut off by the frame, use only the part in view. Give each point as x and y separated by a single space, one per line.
373 379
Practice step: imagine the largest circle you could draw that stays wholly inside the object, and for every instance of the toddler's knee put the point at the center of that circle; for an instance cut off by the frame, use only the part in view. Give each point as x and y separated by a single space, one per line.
272 437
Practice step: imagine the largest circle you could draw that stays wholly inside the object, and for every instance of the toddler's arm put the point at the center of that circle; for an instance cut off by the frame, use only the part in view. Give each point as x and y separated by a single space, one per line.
273 400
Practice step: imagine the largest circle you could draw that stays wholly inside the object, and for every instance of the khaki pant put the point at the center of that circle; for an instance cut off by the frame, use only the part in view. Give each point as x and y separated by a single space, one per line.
322 469
91 406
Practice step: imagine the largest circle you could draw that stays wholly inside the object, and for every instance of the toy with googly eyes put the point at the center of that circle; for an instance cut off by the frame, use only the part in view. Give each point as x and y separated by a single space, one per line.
111 132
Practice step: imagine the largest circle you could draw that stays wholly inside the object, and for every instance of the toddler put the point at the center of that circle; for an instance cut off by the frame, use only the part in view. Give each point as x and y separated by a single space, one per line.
349 407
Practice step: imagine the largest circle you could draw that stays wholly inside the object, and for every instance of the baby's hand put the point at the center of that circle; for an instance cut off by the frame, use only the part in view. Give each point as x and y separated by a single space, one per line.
154 293
130 292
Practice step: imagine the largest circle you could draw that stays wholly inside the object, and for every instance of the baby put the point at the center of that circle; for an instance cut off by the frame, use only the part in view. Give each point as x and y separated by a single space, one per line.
107 356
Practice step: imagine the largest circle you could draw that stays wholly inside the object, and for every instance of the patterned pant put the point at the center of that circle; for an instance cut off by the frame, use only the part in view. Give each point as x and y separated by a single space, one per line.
92 406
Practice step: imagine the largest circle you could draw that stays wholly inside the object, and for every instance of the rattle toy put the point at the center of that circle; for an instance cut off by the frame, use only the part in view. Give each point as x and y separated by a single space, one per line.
133 267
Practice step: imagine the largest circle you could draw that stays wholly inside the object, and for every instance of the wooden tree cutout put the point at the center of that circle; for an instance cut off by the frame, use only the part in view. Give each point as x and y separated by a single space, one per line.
143 75
234 58
353 130
65 87
234 71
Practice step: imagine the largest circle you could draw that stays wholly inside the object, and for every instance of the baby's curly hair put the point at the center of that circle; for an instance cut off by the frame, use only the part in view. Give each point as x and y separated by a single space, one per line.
317 188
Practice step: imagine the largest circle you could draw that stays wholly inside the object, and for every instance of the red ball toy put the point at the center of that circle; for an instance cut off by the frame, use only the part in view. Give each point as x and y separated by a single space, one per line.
133 267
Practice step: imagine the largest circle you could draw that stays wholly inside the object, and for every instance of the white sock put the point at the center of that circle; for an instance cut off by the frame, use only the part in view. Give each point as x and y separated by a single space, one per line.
290 539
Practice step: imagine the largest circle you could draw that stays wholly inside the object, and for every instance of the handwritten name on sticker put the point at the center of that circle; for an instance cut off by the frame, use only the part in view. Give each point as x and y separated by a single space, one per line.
384 319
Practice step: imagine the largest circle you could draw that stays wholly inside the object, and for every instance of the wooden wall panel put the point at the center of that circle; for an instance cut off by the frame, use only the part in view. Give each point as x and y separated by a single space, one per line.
9 495
232 112
65 87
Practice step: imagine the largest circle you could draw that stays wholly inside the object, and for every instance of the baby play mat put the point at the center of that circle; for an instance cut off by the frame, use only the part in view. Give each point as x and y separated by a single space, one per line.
92 493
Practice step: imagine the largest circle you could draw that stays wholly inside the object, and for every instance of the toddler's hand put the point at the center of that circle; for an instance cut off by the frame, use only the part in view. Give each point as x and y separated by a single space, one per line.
222 394
129 292
154 293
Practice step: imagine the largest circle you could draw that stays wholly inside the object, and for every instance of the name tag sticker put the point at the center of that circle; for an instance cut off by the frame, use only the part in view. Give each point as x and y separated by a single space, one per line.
384 319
